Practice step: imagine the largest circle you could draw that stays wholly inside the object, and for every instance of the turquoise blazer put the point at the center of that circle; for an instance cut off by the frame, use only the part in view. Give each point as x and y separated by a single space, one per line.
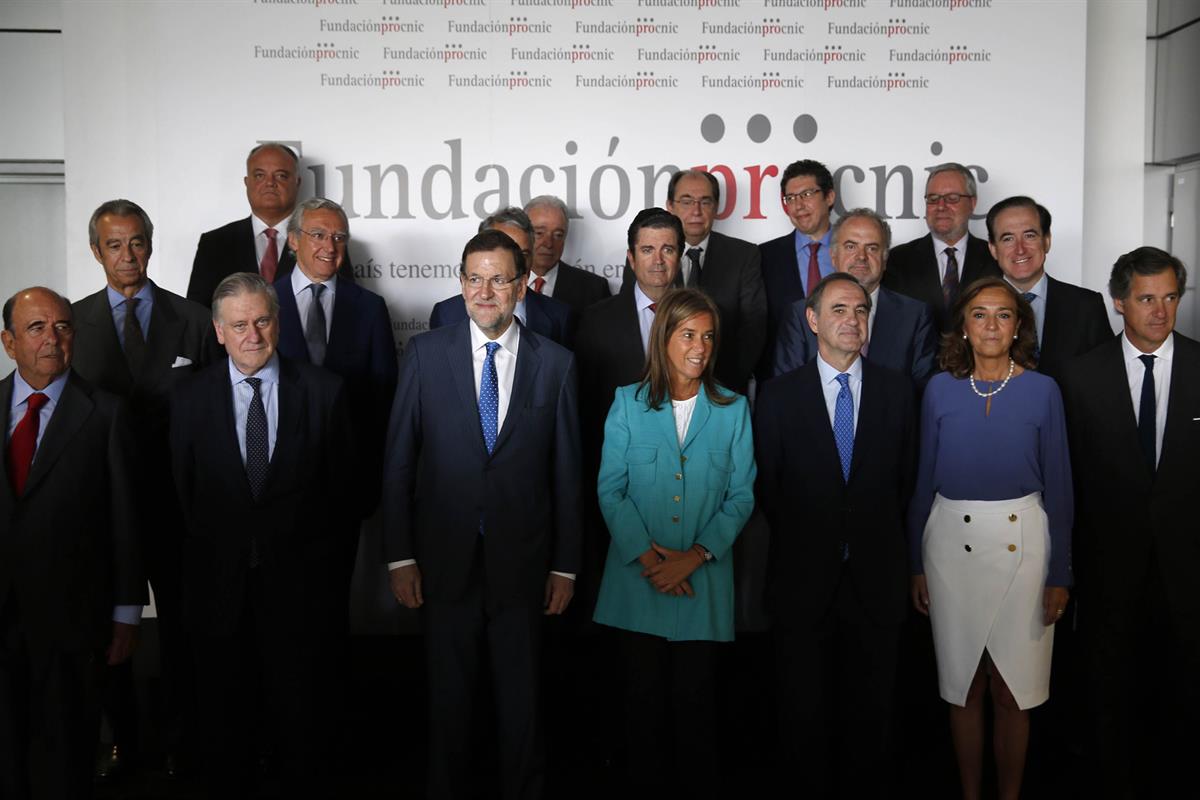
652 489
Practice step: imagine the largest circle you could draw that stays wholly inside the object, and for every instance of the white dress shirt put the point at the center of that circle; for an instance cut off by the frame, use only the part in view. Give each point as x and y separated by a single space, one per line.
1038 304
645 315
831 387
685 263
261 240
1135 371
301 288
551 278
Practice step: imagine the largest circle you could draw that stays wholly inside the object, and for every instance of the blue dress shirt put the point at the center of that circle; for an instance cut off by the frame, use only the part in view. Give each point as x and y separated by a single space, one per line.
116 302
243 393
824 262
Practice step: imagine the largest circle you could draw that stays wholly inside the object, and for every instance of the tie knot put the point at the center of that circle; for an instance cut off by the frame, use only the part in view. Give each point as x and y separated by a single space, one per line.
492 347
653 308
131 303
950 252
316 289
694 253
1148 360
36 401
844 380
271 234
255 383
1029 296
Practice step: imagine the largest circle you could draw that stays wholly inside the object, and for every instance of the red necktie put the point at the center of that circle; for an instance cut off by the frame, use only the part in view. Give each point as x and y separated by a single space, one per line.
538 283
24 442
270 259
653 308
814 269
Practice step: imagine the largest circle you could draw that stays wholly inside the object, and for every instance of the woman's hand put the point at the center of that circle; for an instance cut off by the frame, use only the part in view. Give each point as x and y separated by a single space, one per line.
920 594
673 569
1054 603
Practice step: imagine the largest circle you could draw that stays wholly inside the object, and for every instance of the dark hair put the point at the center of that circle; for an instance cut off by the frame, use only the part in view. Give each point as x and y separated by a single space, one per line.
273 146
675 307
240 283
11 303
490 240
1017 201
694 173
813 301
957 357
120 208
1143 261
654 218
807 166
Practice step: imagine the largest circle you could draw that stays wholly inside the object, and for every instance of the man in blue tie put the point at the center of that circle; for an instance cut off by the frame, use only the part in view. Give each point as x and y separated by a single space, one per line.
482 513
835 445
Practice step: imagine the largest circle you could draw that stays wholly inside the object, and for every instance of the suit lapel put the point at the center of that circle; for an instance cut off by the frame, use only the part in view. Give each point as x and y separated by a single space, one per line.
627 333
931 276
1111 389
72 410
228 442
461 363
536 318
1054 318
817 414
870 411
881 349
165 330
340 338
1185 383
700 416
288 429
249 252
101 339
291 333
529 364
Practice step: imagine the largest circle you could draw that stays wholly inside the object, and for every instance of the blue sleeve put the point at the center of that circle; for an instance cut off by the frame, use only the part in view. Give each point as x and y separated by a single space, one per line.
629 534
922 499
735 507
1058 497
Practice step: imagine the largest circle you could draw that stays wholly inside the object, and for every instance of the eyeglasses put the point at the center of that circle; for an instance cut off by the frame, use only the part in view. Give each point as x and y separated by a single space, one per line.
498 283
687 202
949 199
319 237
807 194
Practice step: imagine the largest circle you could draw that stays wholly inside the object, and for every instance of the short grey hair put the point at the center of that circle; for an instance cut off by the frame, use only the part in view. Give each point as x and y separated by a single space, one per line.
550 201
954 166
240 283
864 213
120 208
508 216
312 204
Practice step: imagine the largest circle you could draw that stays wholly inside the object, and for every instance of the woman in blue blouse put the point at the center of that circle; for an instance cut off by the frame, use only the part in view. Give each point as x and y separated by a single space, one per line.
990 527
675 487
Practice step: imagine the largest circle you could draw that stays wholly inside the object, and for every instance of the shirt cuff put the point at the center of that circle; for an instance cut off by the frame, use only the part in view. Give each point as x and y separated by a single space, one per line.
568 575
407 562
129 615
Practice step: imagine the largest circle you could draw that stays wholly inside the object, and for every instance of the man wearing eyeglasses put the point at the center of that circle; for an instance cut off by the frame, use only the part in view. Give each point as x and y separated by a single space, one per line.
795 262
932 268
482 515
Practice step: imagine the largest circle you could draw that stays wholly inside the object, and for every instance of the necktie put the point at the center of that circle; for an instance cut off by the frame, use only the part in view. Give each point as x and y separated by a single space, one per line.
538 284
316 330
1037 347
135 341
489 397
257 455
843 424
1147 414
270 259
693 255
653 308
814 268
24 442
950 280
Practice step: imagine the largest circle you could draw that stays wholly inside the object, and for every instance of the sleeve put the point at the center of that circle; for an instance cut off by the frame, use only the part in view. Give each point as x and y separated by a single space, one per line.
925 344
200 288
923 491
129 579
752 304
402 451
723 527
1058 495
791 343
568 467
625 524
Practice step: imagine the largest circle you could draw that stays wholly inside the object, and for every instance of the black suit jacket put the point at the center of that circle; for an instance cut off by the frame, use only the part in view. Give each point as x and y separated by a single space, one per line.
781 280
551 318
1076 323
903 339
297 522
912 269
732 276
224 251
69 546
579 288
812 511
362 351
444 487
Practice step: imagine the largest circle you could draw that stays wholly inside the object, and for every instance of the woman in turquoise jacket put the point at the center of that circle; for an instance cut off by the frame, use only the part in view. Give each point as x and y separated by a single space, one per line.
676 486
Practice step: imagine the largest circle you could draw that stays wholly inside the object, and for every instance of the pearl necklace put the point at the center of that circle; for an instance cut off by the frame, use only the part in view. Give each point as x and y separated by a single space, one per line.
987 411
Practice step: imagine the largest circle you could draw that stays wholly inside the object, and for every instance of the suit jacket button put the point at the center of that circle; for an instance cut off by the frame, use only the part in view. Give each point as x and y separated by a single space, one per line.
675 518
683 459
1012 548
966 518
678 476
676 498
967 547
1012 517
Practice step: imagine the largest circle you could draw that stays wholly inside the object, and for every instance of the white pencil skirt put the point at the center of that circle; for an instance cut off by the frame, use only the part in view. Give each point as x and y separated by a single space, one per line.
985 565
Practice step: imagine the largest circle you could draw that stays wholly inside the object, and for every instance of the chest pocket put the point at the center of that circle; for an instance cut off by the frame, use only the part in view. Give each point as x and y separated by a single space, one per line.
641 462
720 467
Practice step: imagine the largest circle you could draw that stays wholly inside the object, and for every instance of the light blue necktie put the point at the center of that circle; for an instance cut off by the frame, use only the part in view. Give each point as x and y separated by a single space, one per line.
843 424
489 397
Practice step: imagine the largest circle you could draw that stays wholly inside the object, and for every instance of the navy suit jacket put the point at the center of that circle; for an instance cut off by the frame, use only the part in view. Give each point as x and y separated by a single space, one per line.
447 496
903 339
1076 323
362 351
551 318
579 288
781 281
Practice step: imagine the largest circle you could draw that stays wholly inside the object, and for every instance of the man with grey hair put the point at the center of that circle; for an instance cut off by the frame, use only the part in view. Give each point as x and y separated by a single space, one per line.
540 313
932 268
900 334
262 456
549 275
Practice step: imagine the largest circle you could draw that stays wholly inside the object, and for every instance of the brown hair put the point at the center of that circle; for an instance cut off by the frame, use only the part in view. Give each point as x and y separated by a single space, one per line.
957 357
676 306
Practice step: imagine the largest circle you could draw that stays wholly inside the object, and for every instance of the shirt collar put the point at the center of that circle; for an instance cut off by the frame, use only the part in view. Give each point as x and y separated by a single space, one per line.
939 246
22 390
702 245
803 239
507 340
1038 289
269 373
145 294
301 282
259 226
1163 353
642 300
829 374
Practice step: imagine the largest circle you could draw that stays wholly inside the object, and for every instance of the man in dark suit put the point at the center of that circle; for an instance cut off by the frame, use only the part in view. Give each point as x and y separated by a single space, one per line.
835 445
71 583
796 261
137 340
548 273
933 268
1133 417
900 333
261 452
540 313
1070 320
482 515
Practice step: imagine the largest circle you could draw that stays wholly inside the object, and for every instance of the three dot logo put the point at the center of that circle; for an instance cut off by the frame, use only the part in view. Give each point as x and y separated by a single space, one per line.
758 128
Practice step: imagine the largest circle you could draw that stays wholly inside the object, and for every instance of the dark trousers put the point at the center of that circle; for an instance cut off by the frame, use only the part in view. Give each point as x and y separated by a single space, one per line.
49 716
461 636
837 674
670 716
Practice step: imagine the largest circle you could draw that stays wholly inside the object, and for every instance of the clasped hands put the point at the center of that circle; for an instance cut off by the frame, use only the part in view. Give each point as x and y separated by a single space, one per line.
668 570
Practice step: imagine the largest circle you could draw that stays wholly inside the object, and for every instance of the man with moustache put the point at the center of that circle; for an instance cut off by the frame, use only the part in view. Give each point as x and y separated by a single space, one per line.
932 268
549 275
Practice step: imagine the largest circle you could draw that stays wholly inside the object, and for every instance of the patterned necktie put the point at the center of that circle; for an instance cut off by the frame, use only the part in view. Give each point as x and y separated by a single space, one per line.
270 259
489 397
950 280
843 424
23 444
814 267
1147 416
538 284
693 255
1037 347
316 331
135 341
257 452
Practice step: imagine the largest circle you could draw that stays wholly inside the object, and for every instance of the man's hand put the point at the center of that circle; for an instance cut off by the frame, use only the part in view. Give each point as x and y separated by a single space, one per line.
406 585
673 570
1054 603
920 594
124 642
559 591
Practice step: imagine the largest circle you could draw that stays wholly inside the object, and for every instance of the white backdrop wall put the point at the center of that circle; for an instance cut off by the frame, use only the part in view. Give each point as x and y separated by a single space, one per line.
595 103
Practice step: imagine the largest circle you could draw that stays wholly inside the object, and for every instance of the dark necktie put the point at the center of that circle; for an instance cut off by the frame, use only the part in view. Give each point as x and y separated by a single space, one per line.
23 444
316 331
270 259
489 397
135 341
814 267
257 451
950 280
538 284
693 255
1037 347
1147 416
